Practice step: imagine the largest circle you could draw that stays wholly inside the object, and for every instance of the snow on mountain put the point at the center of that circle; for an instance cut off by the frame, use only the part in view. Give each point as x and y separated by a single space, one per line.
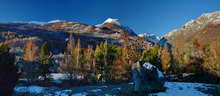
151 37
161 40
55 21
42 23
37 22
195 25
169 34
112 21
115 25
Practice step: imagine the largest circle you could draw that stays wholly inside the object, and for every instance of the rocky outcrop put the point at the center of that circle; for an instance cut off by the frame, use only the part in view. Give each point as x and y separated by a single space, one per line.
147 77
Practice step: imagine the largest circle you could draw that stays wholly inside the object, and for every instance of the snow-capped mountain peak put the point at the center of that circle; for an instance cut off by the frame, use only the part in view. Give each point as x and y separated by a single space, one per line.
145 34
112 21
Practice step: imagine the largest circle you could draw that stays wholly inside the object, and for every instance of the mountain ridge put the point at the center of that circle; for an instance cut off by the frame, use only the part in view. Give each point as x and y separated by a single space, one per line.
59 31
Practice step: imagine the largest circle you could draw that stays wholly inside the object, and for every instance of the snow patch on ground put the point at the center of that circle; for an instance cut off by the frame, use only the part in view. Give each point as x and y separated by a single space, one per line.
64 93
30 89
104 86
57 81
109 95
117 88
80 94
131 83
58 76
182 89
173 89
95 90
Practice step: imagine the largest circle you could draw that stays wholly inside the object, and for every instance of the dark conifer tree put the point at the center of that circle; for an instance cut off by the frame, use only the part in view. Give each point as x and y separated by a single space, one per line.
8 71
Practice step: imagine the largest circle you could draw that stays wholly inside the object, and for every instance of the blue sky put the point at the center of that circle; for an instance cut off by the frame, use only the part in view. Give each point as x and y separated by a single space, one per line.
152 16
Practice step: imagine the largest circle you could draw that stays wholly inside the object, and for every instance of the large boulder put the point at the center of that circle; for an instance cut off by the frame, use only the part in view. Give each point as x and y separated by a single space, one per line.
147 78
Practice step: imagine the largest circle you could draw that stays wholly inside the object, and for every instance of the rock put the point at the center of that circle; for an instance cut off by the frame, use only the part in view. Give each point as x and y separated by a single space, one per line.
147 77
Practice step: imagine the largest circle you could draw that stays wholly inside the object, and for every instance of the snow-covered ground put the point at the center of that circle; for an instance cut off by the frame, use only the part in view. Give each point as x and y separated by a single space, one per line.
173 89
183 89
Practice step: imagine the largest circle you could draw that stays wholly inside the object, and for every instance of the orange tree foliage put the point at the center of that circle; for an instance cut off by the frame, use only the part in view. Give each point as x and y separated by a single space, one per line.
121 66
30 51
165 59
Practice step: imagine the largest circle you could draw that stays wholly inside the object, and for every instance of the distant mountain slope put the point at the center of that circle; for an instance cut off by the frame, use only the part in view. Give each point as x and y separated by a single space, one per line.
162 41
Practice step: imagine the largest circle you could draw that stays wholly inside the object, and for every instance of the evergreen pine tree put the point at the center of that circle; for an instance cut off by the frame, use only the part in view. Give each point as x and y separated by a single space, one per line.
106 54
99 54
45 59
73 61
78 56
88 58
69 63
